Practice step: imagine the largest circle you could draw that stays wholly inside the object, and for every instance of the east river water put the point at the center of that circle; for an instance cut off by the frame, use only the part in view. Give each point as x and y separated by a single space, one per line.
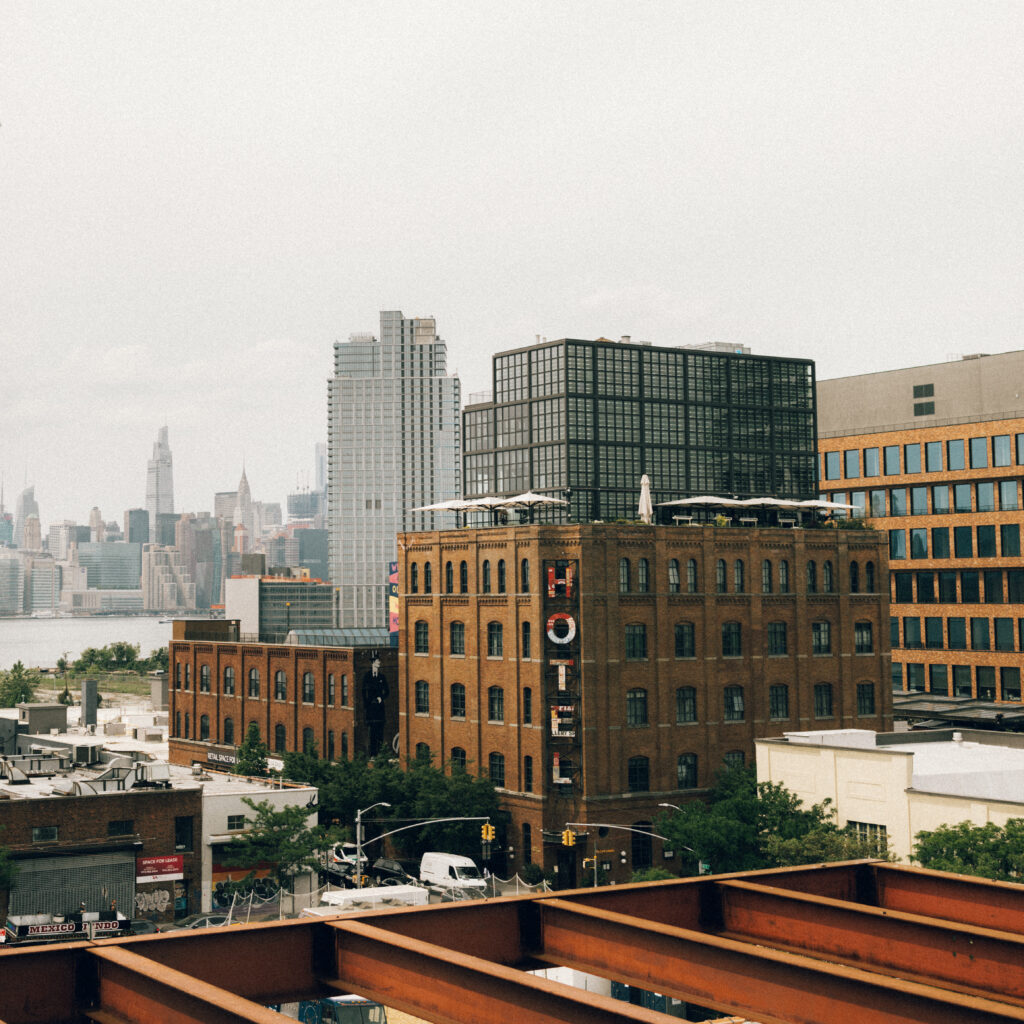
38 643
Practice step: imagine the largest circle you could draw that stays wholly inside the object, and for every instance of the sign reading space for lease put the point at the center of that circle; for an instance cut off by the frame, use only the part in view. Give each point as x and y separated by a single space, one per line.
159 869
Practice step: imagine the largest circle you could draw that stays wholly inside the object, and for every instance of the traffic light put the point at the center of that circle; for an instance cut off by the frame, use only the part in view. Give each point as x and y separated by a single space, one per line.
568 837
487 832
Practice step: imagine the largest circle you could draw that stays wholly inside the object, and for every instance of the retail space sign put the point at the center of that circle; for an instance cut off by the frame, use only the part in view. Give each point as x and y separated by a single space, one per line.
159 869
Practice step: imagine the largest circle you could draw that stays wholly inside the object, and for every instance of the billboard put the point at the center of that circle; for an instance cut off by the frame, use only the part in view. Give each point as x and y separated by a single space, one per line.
393 602
159 869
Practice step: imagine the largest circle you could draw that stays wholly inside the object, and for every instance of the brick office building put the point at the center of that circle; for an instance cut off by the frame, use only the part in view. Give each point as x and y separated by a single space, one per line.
298 695
595 671
933 457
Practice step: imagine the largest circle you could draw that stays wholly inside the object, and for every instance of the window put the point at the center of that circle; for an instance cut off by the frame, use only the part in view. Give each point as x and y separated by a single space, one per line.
869 578
1009 539
812 577
737 576
624 573
871 462
987 541
527 705
823 700
891 455
673 575
494 639
962 681
686 771
428 578
422 754
962 497
463 578
821 637
940 499
766 577
496 768
495 704
732 640
458 759
777 641
877 500
854 578
458 700
691 576
933 456
643 576
641 845
778 701
733 708
720 585
229 682
449 578
870 833
528 774
344 746
204 678
422 697
686 705
940 542
926 588
979 635
827 578
955 455
414 579
486 576
330 690
851 464
183 833
280 738
457 637
979 452
280 686
501 575
933 633
421 637
121 827
1009 682
924 390
1003 630
229 730
831 465
918 543
734 759
863 641
44 834
912 458
636 706
898 501
636 642
524 576
783 577
904 587
897 544
1008 495
986 682
204 727
686 646
963 544
912 633
526 640
639 775
344 689
254 682
938 680
188 677
956 630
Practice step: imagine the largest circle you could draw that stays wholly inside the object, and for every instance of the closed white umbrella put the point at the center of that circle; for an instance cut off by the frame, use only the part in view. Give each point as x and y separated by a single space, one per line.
646 509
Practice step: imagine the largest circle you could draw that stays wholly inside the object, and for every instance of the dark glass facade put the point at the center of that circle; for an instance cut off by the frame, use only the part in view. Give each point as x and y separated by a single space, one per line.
589 418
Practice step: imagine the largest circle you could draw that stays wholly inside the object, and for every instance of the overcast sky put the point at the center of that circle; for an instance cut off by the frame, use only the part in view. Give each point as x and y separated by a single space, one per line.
198 199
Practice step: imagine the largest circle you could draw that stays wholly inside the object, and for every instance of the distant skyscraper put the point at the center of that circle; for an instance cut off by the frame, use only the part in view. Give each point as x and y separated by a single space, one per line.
136 526
97 528
320 457
6 522
159 481
26 506
32 535
393 443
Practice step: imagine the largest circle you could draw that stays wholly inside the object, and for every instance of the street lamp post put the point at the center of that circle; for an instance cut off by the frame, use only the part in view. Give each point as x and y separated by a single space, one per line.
359 839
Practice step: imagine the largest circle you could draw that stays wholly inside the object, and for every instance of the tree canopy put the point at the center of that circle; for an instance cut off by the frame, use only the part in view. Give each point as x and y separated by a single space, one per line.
746 825
119 656
281 839
17 685
989 850
251 758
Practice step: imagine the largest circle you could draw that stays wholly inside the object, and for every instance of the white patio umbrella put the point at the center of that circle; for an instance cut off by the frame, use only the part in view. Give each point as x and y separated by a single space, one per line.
645 509
704 499
530 498
453 505
821 503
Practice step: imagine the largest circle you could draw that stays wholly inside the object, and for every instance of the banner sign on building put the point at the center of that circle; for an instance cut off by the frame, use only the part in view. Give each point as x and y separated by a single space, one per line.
393 602
159 869
563 720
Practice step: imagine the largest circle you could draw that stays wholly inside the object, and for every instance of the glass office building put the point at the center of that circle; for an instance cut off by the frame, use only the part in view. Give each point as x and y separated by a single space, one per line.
586 419
393 445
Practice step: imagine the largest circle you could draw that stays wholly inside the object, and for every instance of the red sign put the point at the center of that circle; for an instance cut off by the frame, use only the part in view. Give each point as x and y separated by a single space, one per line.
159 869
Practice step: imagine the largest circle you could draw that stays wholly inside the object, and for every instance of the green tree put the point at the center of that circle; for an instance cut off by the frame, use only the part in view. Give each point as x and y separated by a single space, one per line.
281 839
158 661
252 754
17 685
651 875
988 850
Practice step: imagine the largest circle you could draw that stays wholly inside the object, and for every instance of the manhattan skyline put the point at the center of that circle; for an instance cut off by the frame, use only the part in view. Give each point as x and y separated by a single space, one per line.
198 202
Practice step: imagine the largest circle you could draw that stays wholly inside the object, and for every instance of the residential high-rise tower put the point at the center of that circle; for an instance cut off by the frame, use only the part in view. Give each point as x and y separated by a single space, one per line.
159 481
393 444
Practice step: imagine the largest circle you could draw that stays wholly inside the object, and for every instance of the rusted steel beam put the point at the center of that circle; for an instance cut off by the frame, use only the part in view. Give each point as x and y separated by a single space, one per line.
764 984
137 989
973 959
39 983
454 988
964 898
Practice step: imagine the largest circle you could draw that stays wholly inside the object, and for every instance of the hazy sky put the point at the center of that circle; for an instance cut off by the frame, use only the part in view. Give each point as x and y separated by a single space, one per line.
197 199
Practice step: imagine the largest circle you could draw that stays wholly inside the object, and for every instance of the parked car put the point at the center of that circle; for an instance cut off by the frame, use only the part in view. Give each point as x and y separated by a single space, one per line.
140 926
200 921
390 872
342 859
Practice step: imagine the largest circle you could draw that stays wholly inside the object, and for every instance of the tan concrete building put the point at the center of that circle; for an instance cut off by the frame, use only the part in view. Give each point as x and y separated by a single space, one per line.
900 784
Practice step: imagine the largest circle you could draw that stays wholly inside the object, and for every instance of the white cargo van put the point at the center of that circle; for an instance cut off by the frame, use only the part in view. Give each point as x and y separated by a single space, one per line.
450 871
